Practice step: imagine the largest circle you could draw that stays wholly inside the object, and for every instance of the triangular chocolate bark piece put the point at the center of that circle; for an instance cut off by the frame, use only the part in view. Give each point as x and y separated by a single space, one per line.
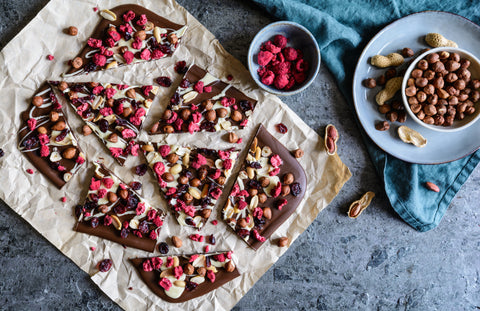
204 103
114 112
47 140
268 189
114 211
181 278
127 34
191 179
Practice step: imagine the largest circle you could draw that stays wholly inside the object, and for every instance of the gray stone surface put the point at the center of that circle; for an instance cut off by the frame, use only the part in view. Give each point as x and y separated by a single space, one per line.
375 262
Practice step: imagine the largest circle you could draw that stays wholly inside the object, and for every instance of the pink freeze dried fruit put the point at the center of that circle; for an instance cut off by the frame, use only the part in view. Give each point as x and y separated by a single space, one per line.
281 81
290 54
264 57
268 78
282 68
280 41
269 46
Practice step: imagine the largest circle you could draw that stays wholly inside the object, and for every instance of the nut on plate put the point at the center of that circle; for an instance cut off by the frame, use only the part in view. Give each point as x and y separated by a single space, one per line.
392 59
331 137
437 40
391 87
357 207
411 136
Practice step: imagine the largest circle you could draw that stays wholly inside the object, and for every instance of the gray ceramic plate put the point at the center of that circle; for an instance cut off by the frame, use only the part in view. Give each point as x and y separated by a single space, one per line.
410 32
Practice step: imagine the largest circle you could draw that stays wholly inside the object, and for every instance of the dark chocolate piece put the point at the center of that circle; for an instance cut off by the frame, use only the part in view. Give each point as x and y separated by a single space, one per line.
150 270
114 112
253 220
136 35
113 211
47 140
204 103
191 179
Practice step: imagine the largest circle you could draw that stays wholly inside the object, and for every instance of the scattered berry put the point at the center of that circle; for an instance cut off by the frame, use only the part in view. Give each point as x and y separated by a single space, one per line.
163 248
282 128
141 169
181 67
50 57
95 9
105 265
135 185
164 81
93 248
229 77
30 171
63 199
207 248
215 222
2 153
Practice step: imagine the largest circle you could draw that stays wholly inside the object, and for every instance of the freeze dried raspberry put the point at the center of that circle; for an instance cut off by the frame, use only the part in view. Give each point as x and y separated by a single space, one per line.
264 57
193 127
261 71
178 271
196 116
229 254
44 151
257 236
157 221
275 192
240 140
207 89
146 89
116 152
189 210
215 222
244 123
178 124
269 46
106 51
268 77
128 56
211 275
50 57
223 154
169 262
165 284
281 203
235 190
229 78
193 258
106 111
94 43
173 118
128 16
282 68
93 248
227 164
107 182
157 263
128 133
216 193
126 28
207 248
281 81
153 235
199 161
32 123
80 160
300 77
243 193
301 65
147 265
97 90
107 220
63 199
110 92
242 204
99 59
275 160
133 148
290 54
280 41
274 172
220 257
136 119
61 168
142 20
258 212
151 214
157 54
215 175
102 193
94 184
164 81
105 265
146 54
195 237
140 208
164 150
199 87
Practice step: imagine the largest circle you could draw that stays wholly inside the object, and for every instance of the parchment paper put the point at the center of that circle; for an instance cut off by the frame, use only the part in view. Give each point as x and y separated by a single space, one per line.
23 68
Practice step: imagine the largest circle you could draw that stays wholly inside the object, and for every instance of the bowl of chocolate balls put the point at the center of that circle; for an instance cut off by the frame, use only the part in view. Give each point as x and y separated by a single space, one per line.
440 89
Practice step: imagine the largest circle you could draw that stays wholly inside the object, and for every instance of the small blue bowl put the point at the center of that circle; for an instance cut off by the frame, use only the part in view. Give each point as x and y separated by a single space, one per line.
299 38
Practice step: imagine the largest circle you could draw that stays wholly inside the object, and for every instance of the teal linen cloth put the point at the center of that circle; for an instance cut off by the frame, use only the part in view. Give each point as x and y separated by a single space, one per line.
342 29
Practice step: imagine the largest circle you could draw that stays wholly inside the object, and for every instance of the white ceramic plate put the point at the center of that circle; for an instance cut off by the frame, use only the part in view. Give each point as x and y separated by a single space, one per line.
410 32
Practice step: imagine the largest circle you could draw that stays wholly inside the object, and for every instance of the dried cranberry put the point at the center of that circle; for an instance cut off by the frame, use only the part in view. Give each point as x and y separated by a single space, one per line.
165 49
164 81
103 125
94 222
212 239
90 205
205 202
30 142
182 189
189 221
185 83
124 233
243 233
188 174
175 99
143 227
259 222
135 185
207 126
295 189
189 286
141 169
252 183
208 262
62 135
105 265
79 210
120 209
282 128
132 201
163 248
245 105
255 165
181 67
90 67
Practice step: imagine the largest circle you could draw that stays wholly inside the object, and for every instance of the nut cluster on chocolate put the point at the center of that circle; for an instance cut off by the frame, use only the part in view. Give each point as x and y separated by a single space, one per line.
441 90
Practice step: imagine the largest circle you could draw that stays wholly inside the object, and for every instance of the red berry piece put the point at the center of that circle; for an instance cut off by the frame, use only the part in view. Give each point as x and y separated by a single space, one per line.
30 171
229 77
105 265
164 81
181 67
282 128
163 248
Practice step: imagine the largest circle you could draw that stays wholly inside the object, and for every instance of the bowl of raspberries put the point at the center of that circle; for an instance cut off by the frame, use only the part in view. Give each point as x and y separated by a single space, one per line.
284 58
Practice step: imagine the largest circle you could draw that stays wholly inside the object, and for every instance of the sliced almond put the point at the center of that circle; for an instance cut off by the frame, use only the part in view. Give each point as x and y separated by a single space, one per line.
253 146
157 34
108 15
176 261
116 222
197 279
147 102
165 273
226 125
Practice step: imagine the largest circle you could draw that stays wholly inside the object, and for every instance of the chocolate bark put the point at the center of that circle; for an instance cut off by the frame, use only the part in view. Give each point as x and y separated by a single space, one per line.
237 213
191 179
110 50
114 112
114 211
152 278
211 106
45 147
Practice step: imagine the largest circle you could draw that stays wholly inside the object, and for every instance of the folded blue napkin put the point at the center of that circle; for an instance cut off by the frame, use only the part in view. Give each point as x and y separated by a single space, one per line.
342 29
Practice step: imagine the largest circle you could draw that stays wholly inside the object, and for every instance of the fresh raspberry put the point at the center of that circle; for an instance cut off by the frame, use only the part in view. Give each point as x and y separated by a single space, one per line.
128 56
268 77
290 54
280 41
264 57
281 81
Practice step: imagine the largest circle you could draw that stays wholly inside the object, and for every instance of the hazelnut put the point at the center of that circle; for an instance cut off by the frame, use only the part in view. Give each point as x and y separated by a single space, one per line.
127 111
37 101
54 116
432 58
123 193
383 109
282 242
113 138
262 197
461 108
390 73
86 130
410 82
131 93
167 177
201 271
72 31
430 110
63 86
460 84
236 116
195 182
205 213
444 54
407 52
370 83
167 114
93 84
207 104
460 116
187 197
421 96
397 105
298 153
229 266
188 269
415 108
42 130
441 110
59 126
464 63
285 190
110 102
392 116
267 213
183 180
429 89
463 73
123 49
172 158
253 192
475 96
232 137
412 100
288 179
451 90
442 93
221 180
421 115
429 74
402 116
381 80
69 153
202 173
422 65
242 223
438 120
210 115
417 73
141 35
409 91
421 82
185 114
438 67
453 100
429 120
475 84
103 209
177 242
221 112
451 77
168 129
432 99
452 65
77 62
470 110
112 197
264 181
448 120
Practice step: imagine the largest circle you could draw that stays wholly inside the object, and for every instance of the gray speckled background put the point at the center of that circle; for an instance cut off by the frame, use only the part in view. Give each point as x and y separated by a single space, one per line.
375 262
